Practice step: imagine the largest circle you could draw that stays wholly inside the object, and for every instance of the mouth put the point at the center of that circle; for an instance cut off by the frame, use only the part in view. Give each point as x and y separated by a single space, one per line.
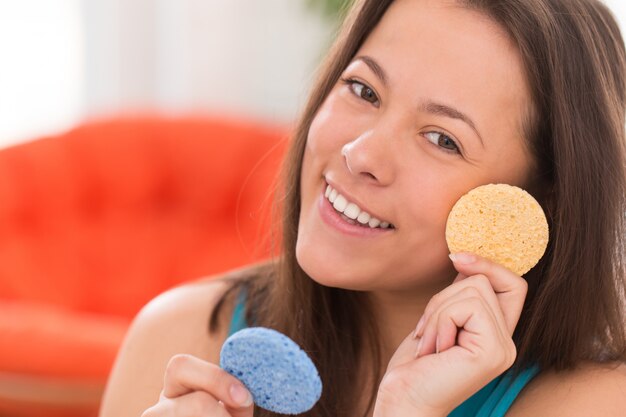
352 213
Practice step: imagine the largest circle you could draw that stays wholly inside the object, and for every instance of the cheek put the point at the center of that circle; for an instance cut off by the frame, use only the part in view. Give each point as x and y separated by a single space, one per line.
317 145
321 136
325 138
429 211
431 194
510 165
323 141
335 124
314 154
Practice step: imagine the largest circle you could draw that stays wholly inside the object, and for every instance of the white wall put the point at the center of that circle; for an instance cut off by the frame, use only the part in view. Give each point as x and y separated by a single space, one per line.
619 8
65 60
246 56
41 67
241 55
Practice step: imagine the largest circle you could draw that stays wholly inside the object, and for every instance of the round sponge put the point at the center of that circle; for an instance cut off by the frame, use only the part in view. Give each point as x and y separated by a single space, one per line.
499 222
279 375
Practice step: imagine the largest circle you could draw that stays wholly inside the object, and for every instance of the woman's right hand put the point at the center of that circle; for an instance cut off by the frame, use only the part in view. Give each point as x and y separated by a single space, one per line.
195 388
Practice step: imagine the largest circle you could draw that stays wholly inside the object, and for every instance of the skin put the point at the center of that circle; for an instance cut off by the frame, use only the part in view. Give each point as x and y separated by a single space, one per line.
393 165
381 154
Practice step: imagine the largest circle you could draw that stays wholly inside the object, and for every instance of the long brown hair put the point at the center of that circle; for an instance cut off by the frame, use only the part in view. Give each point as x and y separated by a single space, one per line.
574 59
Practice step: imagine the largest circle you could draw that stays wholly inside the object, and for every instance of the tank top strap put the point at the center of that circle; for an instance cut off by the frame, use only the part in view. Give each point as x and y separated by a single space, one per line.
506 391
495 399
238 320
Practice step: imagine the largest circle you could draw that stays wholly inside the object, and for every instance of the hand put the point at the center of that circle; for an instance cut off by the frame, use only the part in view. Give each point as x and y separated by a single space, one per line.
462 342
194 388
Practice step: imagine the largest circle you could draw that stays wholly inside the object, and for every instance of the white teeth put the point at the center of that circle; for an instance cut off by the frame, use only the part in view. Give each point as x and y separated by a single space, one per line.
333 196
364 217
374 222
340 203
352 211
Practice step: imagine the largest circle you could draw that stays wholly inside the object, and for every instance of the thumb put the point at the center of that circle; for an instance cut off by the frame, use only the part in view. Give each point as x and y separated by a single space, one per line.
460 277
404 353
240 411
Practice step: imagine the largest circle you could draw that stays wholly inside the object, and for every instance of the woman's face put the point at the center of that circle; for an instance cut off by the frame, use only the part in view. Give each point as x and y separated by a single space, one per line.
430 107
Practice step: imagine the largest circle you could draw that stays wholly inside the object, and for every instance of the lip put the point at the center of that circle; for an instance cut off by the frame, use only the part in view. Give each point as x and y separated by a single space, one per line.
354 200
331 217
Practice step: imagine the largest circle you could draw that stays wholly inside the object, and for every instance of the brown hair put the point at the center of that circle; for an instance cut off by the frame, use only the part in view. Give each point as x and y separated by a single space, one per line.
574 59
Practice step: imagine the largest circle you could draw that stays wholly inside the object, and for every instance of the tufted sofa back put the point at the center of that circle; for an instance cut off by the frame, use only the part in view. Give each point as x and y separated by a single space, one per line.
98 220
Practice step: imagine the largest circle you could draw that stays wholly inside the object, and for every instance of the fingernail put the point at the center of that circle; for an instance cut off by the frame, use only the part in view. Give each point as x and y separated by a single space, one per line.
419 347
240 395
418 328
462 258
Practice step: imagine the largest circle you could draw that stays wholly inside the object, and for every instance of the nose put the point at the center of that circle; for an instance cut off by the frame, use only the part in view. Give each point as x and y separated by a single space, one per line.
370 158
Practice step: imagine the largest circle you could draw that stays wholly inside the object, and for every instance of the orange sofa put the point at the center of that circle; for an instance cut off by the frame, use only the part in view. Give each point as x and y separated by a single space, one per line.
98 220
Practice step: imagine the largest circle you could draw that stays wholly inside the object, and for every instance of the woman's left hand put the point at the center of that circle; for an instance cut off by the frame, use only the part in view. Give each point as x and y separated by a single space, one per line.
464 340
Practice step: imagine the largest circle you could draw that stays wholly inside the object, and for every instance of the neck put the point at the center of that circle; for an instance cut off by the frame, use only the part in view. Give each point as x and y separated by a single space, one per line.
398 312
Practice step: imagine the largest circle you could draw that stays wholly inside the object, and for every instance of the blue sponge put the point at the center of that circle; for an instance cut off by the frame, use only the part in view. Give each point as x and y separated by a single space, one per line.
279 375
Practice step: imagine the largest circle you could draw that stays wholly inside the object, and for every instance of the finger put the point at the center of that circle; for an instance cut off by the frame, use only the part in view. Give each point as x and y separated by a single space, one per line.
480 282
186 373
479 337
471 315
404 353
429 341
199 403
449 328
510 288
459 277
446 333
195 404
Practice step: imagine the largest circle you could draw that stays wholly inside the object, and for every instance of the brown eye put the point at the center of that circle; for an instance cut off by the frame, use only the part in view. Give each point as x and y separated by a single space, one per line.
362 91
366 93
442 141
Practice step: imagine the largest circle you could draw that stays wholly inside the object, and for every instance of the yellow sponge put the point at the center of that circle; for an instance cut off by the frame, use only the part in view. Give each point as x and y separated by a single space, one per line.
499 222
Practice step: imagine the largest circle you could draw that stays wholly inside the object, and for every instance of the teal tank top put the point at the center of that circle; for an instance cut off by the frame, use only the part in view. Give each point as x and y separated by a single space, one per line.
493 400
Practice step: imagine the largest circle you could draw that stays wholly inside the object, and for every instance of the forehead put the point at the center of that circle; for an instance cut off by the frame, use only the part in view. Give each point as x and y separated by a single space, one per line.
441 51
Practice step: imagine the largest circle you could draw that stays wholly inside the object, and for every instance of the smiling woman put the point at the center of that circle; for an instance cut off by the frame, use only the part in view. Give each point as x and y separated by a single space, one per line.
382 142
419 102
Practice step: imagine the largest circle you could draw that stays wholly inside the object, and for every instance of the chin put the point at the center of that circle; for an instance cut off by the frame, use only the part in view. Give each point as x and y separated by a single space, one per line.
366 277
325 272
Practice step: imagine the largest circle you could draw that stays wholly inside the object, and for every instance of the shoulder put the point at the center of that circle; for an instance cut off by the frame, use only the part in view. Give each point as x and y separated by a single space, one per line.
185 311
176 321
591 389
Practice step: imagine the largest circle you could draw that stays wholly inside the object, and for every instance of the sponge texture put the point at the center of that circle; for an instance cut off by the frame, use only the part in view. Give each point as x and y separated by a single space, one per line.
499 222
280 376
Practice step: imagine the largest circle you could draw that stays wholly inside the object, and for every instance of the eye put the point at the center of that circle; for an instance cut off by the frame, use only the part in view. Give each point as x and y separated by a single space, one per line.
443 141
361 90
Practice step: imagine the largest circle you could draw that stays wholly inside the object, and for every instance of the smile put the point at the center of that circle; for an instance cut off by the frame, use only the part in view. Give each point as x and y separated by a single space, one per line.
353 213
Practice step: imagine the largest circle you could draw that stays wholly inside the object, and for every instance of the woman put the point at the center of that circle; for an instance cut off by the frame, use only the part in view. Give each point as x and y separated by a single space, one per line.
420 101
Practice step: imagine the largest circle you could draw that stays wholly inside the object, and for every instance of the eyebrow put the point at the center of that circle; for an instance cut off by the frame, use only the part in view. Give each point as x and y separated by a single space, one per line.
427 106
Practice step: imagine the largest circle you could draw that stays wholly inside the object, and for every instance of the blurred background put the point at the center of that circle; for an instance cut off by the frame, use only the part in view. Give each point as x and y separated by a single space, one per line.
139 146
65 60
120 125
